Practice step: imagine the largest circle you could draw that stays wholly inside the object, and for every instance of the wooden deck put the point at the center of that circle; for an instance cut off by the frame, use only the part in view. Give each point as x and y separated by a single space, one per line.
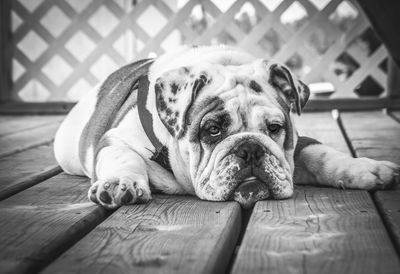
48 225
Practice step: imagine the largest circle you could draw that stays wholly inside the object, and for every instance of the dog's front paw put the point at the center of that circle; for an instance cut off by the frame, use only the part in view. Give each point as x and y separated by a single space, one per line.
114 192
365 173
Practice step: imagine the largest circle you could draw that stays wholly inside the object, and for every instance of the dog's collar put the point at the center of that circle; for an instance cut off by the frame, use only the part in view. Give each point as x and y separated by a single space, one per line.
160 153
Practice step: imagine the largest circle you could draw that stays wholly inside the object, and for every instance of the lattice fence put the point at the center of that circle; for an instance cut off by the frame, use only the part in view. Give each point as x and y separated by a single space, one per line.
62 48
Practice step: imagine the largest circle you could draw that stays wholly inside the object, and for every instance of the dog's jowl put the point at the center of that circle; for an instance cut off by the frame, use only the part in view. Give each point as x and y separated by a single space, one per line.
213 122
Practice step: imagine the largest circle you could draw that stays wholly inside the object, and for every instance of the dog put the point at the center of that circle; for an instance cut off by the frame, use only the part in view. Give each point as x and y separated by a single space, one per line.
210 121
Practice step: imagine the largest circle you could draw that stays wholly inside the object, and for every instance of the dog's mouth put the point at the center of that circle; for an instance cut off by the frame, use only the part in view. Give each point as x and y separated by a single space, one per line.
267 181
251 190
247 177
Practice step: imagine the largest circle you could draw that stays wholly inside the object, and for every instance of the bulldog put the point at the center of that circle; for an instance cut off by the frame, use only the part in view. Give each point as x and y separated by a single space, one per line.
214 122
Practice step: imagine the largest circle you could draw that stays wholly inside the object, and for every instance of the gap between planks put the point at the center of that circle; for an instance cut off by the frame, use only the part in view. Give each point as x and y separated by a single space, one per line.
334 139
319 230
39 223
42 247
376 135
300 255
26 150
171 234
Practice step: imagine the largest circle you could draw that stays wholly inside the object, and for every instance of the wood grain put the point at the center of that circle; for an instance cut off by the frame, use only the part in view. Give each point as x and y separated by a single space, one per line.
38 224
12 124
320 230
19 141
323 127
352 104
376 135
172 234
373 134
388 203
25 169
36 108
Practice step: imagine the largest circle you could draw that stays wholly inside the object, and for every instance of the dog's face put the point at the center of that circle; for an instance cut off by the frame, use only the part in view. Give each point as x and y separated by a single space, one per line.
232 126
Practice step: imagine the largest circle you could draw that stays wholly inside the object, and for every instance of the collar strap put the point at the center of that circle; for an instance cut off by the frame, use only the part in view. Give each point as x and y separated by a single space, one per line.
160 154
145 116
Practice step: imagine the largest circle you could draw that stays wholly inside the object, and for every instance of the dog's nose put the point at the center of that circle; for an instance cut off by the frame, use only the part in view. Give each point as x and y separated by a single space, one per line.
250 152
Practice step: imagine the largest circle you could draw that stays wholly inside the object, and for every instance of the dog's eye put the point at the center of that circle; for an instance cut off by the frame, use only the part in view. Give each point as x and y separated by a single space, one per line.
274 128
214 131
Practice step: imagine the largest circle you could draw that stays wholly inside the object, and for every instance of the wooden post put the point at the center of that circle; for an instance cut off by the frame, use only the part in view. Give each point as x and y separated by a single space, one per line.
393 79
385 19
5 50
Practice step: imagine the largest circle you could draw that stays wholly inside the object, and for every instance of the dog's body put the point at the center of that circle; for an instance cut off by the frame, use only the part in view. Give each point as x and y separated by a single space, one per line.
210 121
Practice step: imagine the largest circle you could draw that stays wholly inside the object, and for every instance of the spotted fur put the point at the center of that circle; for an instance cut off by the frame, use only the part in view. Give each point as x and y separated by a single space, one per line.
176 91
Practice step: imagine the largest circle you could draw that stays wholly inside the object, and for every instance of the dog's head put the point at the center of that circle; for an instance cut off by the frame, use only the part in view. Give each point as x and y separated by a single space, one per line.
232 128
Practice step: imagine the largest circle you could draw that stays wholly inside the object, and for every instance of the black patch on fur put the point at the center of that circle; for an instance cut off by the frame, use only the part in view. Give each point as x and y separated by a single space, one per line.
185 70
127 197
161 104
172 122
199 83
196 114
255 86
223 120
174 88
161 157
244 120
105 197
303 142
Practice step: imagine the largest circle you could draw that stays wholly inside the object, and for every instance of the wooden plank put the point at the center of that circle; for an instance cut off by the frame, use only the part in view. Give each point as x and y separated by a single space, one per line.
36 108
388 203
352 104
172 234
320 230
19 141
323 127
393 79
25 169
396 115
12 124
377 136
373 134
40 223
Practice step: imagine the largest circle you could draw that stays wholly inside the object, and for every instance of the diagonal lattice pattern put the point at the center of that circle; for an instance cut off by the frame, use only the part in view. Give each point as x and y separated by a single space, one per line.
63 48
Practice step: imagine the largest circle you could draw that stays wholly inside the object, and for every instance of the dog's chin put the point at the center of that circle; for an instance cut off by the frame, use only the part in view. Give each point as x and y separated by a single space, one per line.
250 191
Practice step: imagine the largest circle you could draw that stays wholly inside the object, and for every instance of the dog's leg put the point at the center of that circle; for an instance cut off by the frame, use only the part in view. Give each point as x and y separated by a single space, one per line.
120 177
322 165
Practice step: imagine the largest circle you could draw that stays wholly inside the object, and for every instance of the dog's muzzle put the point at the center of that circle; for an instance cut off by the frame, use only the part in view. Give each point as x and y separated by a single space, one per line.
263 175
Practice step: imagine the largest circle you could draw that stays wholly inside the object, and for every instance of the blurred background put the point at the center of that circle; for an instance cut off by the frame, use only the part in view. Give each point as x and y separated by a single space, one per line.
62 48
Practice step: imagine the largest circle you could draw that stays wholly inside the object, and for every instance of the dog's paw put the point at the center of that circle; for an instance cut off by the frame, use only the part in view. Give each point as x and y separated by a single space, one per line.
369 174
114 192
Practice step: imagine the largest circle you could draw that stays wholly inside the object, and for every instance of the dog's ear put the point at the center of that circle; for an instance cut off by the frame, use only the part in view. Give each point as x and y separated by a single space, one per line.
176 91
295 91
